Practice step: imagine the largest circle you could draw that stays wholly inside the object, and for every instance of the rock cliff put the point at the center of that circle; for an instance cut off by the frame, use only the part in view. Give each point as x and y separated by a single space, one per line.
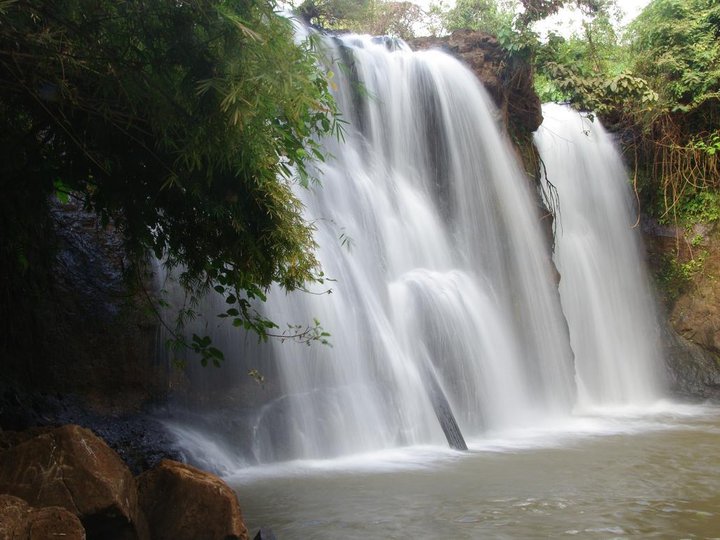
686 265
90 332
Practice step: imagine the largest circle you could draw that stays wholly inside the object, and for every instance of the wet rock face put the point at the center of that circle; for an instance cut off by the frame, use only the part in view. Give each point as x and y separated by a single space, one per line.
89 333
696 313
185 503
693 372
509 81
692 339
71 468
20 521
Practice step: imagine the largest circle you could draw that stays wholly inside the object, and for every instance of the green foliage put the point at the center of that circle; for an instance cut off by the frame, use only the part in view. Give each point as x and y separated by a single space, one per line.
660 90
333 13
511 21
547 89
709 145
489 16
495 17
674 276
694 265
375 17
699 206
675 45
537 10
595 93
184 124
592 70
397 19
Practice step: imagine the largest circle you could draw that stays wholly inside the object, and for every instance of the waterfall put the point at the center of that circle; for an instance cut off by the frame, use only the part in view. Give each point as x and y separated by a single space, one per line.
604 289
444 307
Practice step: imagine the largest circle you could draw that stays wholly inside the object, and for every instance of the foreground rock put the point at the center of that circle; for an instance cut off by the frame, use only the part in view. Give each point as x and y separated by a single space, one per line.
20 521
185 503
66 482
70 467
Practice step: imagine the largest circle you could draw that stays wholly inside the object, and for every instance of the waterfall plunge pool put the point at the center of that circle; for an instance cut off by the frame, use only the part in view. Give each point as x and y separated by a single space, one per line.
619 473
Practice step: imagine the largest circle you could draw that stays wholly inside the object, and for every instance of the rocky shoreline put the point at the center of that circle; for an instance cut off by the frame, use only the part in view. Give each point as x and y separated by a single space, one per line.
68 481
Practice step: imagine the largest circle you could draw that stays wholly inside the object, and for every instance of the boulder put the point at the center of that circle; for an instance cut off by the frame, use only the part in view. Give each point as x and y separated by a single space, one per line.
20 521
9 439
185 503
72 468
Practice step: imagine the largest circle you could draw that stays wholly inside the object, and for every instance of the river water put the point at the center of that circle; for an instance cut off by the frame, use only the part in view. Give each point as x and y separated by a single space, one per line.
612 474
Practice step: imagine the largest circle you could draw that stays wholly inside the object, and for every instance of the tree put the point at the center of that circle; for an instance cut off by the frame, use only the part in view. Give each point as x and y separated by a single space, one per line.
334 13
537 10
397 19
675 44
184 124
511 21
485 15
591 70
374 17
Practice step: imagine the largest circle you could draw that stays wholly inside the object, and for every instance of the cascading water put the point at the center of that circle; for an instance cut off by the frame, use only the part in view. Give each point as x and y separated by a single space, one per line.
604 290
445 306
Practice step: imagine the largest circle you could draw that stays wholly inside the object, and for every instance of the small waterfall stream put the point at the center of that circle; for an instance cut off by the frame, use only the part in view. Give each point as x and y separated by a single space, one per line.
444 309
614 327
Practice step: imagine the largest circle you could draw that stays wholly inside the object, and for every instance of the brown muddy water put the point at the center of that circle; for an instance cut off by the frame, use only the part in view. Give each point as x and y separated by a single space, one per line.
619 474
